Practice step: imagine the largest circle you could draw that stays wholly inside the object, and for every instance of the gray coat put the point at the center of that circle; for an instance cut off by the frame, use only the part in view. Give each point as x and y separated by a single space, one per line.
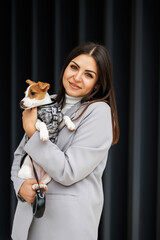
74 199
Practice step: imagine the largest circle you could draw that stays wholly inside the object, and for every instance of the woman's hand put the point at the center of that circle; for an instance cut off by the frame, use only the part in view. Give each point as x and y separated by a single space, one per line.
26 191
29 119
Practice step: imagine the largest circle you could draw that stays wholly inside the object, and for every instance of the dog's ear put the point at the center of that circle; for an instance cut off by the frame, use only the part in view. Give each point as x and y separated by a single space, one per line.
44 86
29 82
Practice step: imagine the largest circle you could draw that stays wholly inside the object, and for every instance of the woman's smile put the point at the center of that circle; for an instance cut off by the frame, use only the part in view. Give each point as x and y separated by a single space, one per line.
73 85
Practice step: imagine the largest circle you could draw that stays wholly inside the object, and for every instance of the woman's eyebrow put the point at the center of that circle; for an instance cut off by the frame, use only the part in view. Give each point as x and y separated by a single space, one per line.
85 70
76 64
91 71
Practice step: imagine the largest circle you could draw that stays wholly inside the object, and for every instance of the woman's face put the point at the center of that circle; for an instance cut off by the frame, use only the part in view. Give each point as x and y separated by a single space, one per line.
80 76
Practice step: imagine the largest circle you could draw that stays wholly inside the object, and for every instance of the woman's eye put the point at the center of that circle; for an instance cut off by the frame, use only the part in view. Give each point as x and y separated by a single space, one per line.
89 75
73 67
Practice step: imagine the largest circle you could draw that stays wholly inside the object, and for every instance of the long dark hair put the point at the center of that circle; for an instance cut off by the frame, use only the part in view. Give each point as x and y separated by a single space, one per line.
104 90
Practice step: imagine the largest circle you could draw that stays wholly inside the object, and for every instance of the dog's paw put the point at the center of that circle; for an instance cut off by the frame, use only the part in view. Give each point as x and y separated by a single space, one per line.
44 139
71 126
68 122
35 186
44 136
42 185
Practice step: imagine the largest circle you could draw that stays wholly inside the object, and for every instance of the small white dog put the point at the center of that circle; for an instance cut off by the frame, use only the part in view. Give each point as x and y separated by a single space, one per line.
50 120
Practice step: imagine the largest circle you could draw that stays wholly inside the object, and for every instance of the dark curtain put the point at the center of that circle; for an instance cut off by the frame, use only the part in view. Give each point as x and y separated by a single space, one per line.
35 38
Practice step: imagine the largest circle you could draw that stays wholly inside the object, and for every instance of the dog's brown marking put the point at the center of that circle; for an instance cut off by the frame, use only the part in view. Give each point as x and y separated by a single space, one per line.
35 92
29 82
38 90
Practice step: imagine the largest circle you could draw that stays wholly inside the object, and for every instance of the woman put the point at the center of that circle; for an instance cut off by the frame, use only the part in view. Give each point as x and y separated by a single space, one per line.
74 199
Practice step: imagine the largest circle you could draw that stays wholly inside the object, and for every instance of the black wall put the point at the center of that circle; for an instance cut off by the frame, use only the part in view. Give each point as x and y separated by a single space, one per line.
35 38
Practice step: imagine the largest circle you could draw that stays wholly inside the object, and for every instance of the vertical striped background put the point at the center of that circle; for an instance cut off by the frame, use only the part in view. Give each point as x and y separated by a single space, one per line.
35 38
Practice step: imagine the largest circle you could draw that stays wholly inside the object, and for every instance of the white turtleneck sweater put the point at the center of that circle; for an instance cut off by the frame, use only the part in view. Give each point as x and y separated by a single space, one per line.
69 102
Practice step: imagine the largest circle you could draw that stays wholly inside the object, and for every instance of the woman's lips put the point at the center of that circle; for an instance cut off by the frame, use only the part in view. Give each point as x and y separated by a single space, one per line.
73 85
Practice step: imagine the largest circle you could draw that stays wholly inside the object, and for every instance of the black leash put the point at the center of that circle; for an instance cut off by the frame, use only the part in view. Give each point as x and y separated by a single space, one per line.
40 200
35 173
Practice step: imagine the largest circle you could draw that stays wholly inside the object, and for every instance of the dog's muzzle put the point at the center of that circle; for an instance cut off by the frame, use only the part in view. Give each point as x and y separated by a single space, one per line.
22 104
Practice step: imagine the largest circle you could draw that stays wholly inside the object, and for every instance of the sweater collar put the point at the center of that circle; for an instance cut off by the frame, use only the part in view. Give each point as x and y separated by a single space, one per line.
72 100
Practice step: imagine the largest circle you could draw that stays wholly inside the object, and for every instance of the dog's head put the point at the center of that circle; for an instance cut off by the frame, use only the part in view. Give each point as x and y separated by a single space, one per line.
35 95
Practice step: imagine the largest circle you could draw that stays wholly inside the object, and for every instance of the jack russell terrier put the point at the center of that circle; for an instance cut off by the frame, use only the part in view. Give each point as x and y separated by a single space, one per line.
50 121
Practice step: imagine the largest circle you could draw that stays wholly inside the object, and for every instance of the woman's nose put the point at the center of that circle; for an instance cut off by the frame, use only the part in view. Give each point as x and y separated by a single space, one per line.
78 76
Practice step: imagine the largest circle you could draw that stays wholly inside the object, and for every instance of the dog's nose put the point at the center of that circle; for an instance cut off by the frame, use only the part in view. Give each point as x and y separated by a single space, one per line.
22 104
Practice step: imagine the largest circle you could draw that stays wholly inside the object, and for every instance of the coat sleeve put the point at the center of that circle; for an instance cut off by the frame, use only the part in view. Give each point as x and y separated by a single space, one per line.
18 154
90 146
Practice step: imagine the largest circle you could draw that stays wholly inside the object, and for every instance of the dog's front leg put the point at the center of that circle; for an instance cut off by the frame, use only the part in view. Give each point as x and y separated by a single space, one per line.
68 122
42 128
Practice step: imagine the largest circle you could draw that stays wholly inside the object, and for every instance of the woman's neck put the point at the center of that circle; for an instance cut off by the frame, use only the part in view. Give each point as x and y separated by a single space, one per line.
69 102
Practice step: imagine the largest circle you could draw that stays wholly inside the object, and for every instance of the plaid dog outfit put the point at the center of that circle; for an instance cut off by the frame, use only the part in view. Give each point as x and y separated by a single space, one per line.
52 116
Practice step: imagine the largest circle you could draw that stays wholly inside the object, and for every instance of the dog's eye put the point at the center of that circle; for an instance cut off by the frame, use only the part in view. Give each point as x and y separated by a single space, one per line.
33 93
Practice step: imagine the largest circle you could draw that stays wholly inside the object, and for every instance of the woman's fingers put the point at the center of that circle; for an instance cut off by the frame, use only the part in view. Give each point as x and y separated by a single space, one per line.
26 190
41 185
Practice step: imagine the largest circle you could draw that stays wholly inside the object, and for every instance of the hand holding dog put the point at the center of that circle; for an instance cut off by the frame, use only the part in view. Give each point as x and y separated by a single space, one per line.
29 119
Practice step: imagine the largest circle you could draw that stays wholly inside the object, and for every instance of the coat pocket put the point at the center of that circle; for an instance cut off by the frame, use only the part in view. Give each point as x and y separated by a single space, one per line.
61 196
